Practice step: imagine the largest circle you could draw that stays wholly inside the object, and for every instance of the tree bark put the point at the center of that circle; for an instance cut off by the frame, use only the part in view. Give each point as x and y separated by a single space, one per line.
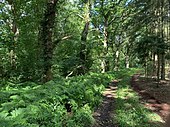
158 67
162 35
154 65
15 31
163 66
127 61
46 33
117 60
83 47
105 61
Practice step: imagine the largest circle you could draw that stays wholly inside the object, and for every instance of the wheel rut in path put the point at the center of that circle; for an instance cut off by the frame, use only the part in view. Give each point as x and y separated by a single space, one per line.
105 113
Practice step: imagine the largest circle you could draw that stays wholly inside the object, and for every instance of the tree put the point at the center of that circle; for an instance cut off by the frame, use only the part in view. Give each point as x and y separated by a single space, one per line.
46 35
84 51
111 16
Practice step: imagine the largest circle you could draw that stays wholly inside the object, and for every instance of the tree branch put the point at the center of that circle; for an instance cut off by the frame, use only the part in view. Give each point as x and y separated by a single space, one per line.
61 39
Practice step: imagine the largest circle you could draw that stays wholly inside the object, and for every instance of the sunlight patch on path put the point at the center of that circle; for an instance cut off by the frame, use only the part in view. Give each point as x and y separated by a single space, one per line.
104 114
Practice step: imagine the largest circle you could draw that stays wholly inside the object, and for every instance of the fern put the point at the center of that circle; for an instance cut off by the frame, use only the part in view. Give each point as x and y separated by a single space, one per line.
33 105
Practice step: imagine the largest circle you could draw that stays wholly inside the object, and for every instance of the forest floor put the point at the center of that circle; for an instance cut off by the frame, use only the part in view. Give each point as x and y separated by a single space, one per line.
105 113
153 95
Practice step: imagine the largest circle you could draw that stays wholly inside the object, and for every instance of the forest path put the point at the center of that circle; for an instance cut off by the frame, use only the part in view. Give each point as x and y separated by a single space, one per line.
156 99
105 113
154 95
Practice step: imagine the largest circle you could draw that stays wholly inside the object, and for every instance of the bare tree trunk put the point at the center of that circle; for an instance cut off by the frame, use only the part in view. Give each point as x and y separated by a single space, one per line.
117 60
127 61
147 73
127 56
103 65
162 66
158 67
105 62
154 65
46 38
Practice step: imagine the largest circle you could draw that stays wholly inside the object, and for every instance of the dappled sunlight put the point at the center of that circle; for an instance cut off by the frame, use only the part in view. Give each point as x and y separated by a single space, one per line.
110 91
84 63
156 95
131 112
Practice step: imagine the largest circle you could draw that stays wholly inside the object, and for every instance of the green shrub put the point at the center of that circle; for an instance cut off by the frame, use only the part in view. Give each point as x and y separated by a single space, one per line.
32 105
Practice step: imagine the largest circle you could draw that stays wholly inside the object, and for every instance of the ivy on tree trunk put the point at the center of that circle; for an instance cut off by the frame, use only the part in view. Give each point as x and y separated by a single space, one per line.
46 34
83 47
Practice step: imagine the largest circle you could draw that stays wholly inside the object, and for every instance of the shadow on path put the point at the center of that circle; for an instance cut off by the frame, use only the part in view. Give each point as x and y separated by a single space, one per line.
151 96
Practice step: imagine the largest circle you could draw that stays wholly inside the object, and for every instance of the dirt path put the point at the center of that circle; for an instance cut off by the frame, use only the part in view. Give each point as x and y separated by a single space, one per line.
105 113
157 99
154 96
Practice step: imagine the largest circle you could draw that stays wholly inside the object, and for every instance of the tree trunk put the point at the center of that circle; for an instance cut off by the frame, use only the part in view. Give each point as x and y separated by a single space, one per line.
145 70
117 60
163 66
127 61
127 57
105 61
47 26
83 48
103 65
154 65
15 31
158 67
162 35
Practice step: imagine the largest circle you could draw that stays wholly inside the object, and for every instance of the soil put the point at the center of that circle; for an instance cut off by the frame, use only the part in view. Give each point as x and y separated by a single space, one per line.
154 95
105 113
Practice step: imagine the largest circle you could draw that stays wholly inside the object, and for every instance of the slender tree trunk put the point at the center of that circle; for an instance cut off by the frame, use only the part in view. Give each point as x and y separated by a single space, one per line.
162 36
159 35
127 61
147 73
117 60
105 61
154 65
103 65
158 67
162 66
47 26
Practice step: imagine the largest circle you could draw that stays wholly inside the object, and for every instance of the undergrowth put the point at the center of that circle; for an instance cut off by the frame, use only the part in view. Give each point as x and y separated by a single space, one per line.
58 103
129 111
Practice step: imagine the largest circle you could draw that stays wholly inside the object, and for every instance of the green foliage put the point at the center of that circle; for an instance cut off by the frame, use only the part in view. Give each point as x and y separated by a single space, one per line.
117 23
130 112
147 45
31 105
82 118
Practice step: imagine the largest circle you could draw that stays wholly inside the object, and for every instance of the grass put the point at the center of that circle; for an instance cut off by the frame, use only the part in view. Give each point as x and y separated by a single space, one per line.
130 112
32 105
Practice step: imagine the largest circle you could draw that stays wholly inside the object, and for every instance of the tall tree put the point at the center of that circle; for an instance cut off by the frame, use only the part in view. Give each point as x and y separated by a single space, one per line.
46 35
84 52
